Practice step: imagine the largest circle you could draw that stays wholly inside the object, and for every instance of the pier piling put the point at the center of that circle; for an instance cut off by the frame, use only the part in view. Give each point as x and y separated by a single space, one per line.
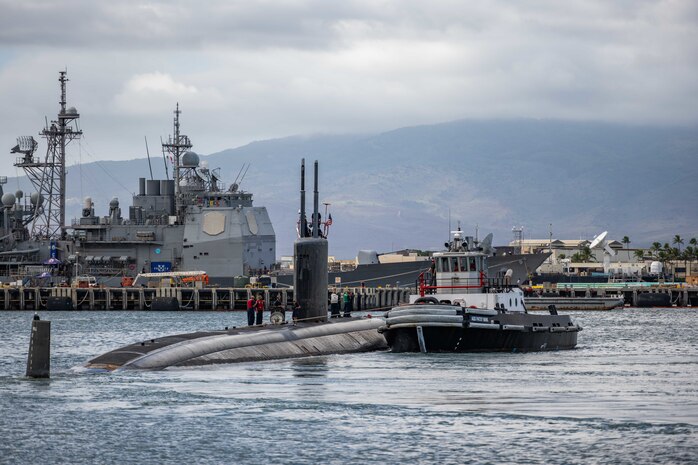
39 358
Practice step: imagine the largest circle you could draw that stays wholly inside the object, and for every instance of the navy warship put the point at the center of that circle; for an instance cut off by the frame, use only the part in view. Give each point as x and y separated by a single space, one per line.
189 222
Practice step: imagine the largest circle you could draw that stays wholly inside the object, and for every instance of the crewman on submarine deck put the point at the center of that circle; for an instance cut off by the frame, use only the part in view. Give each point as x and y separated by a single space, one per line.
260 309
296 311
334 304
251 304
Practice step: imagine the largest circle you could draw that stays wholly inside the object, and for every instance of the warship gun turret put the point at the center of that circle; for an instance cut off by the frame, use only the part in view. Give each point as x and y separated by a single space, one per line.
189 222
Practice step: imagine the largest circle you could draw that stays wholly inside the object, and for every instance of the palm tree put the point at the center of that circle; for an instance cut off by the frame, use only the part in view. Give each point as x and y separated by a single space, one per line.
584 255
678 240
587 254
640 254
691 252
662 257
626 241
687 256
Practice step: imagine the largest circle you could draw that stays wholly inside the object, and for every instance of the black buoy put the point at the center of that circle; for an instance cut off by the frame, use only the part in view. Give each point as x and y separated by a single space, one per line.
39 359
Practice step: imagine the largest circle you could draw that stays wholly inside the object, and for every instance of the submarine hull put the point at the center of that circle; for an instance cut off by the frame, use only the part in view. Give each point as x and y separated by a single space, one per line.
272 342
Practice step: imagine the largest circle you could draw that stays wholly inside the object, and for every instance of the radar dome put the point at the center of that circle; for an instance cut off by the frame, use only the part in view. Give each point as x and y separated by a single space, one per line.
19 194
190 160
36 199
114 203
71 111
8 199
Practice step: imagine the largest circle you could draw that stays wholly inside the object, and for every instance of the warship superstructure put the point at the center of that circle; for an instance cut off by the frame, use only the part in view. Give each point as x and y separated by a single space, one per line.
189 222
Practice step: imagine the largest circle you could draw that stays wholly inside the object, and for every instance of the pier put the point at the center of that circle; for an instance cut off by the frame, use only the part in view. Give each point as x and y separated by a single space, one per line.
175 298
230 299
675 294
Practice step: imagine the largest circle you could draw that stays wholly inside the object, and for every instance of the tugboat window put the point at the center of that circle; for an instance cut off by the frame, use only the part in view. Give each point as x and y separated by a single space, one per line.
463 263
454 264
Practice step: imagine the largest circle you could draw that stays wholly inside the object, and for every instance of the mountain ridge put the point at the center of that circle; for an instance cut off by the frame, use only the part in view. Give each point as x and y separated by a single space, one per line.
397 189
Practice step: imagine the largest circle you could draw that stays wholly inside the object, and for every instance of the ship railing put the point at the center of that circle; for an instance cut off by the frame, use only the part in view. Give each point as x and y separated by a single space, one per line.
432 287
426 284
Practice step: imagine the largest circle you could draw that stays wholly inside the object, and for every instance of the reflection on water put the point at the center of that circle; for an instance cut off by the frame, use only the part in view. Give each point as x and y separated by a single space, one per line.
312 367
630 387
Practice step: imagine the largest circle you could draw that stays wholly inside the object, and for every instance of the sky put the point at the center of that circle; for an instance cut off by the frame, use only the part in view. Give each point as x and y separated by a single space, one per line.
253 70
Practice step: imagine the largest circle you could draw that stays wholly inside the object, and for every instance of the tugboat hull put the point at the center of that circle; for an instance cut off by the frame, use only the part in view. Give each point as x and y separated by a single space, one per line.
444 328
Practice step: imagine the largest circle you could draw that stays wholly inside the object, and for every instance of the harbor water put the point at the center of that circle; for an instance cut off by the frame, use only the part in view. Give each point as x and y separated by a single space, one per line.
627 395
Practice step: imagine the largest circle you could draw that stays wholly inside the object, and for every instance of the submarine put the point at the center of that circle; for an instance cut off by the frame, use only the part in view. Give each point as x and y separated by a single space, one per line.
309 334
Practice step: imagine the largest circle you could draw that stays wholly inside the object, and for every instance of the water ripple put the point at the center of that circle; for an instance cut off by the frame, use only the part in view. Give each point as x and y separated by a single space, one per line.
627 395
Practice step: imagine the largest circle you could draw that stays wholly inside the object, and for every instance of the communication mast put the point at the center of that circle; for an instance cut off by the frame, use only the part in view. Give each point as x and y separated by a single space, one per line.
518 238
48 176
176 146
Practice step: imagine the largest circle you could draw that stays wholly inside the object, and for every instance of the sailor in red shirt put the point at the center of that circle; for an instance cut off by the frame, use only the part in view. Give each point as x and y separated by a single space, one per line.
260 309
251 305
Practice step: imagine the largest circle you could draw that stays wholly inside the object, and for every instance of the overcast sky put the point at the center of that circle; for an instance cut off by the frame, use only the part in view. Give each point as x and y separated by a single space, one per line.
249 70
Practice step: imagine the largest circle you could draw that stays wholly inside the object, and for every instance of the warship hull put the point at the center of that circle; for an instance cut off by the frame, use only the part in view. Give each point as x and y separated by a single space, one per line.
406 274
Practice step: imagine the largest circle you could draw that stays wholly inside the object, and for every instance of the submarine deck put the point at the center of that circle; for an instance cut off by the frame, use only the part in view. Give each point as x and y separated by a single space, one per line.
121 356
248 343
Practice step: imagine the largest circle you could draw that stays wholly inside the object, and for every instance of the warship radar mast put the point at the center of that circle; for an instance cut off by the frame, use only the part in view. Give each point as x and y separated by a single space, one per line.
48 175
177 146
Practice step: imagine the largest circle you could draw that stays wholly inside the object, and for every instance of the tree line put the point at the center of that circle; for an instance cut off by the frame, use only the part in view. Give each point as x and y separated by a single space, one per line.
658 251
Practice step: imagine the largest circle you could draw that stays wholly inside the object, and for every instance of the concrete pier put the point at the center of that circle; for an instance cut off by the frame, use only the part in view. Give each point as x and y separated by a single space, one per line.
678 296
176 298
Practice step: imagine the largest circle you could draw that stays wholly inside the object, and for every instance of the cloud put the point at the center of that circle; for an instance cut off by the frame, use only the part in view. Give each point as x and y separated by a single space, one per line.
154 94
253 70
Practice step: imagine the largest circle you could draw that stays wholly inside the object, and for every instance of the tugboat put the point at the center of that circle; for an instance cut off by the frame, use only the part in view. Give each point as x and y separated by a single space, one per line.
458 309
